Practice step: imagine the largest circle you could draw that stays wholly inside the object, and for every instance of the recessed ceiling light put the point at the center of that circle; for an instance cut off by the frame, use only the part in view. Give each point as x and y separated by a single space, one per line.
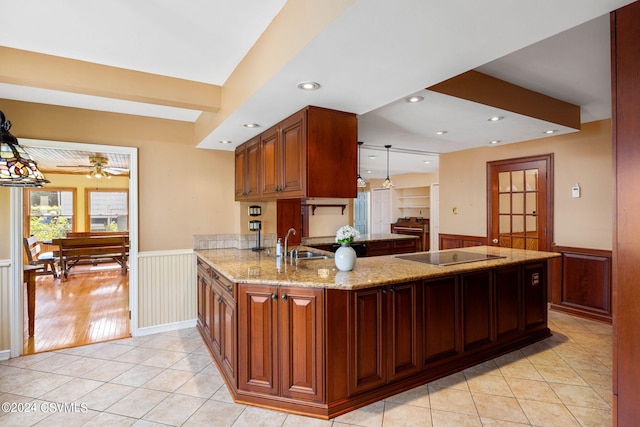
368 171
495 118
308 85
224 141
414 99
550 131
441 132
371 157
251 125
495 141
427 162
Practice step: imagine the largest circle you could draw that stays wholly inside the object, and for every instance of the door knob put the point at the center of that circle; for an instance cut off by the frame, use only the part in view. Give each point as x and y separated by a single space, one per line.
495 241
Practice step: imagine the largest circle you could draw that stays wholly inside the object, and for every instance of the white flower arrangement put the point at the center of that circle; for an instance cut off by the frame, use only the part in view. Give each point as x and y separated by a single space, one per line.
346 234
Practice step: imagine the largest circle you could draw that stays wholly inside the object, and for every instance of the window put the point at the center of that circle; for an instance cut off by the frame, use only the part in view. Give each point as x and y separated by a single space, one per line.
108 210
49 214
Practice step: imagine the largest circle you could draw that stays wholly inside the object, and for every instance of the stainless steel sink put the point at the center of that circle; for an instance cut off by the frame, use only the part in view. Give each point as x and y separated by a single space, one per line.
302 255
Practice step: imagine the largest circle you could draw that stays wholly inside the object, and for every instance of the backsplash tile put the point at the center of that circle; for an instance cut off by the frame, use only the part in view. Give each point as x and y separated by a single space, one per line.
237 241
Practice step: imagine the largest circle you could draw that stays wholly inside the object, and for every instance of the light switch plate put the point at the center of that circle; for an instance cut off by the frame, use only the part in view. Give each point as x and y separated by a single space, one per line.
575 191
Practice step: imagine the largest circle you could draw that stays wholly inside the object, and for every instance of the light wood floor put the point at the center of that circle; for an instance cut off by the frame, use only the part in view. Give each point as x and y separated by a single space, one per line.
91 306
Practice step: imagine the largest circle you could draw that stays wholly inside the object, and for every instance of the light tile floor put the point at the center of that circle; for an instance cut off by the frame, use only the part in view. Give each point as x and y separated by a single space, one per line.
168 379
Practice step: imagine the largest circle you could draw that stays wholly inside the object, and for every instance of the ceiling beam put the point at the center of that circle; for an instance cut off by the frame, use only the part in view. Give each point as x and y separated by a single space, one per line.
297 24
25 68
483 89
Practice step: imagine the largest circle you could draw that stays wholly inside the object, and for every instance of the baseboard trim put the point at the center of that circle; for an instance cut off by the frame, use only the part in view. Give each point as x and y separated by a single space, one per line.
166 327
5 354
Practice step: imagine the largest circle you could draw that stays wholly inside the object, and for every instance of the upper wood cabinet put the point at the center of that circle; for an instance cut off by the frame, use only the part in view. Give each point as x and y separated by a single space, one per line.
247 170
312 153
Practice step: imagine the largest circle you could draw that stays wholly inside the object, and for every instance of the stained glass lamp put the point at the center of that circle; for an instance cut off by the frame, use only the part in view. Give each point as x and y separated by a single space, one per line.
17 168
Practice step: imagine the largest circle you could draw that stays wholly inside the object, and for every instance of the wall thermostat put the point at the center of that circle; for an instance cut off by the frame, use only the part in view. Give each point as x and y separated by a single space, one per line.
575 191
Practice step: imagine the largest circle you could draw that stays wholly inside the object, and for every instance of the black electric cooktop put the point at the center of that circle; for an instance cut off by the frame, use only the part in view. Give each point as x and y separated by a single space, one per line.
449 257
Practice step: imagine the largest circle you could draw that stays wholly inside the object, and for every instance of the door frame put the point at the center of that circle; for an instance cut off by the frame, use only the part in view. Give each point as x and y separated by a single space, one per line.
16 294
548 159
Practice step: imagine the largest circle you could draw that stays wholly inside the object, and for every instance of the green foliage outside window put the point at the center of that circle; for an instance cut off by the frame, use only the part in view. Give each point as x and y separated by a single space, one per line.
47 228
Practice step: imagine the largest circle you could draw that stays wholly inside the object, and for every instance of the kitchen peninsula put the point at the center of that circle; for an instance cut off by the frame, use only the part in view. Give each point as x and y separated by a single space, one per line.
306 338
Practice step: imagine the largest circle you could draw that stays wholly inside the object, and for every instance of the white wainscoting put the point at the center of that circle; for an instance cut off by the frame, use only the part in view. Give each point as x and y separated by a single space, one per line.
5 301
167 296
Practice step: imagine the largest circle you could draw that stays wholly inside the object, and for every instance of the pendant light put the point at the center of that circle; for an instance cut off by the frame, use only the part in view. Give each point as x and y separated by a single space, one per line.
17 168
387 182
360 182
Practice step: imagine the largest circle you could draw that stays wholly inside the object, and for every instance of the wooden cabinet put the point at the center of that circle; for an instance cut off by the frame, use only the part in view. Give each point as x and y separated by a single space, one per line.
385 333
283 158
312 153
441 308
477 309
324 352
383 247
509 319
391 247
217 317
281 332
247 170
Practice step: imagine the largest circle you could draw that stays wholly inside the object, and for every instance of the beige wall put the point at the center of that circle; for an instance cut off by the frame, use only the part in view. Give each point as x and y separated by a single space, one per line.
582 157
182 190
326 221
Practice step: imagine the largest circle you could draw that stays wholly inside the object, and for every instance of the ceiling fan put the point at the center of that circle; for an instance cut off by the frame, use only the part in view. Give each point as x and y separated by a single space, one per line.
98 168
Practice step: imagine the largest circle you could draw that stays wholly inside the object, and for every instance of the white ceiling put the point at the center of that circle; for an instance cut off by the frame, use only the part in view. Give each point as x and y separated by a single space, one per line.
368 60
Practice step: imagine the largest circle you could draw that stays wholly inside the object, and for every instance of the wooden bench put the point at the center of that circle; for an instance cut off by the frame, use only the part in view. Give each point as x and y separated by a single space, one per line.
91 250
97 233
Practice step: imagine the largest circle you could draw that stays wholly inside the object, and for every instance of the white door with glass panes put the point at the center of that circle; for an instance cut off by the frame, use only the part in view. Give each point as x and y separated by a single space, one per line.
380 210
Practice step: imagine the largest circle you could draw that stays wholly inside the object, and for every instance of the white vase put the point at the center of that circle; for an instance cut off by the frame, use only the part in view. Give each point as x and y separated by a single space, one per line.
345 258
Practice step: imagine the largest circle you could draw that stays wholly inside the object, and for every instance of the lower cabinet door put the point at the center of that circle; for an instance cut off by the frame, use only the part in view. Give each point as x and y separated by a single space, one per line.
229 334
301 332
202 286
508 301
215 325
441 331
404 330
366 352
258 339
477 309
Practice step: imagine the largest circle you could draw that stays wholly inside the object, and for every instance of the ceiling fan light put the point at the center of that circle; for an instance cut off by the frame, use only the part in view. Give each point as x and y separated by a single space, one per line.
17 168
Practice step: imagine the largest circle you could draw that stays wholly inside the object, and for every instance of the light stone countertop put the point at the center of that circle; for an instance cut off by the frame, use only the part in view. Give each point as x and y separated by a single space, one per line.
329 240
264 268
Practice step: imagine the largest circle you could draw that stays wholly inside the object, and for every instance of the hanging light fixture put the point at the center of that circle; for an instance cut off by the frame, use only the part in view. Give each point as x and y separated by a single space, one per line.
360 182
17 168
387 182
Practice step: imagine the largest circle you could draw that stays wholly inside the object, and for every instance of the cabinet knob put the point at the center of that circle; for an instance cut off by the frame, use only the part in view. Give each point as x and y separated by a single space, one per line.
284 297
219 299
392 289
274 296
495 241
